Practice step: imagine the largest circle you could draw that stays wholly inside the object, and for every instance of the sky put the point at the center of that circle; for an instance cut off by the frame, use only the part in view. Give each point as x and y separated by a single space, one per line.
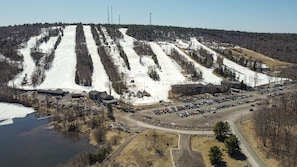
243 15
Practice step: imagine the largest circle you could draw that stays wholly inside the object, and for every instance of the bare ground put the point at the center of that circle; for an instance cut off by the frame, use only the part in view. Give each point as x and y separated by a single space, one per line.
249 54
149 148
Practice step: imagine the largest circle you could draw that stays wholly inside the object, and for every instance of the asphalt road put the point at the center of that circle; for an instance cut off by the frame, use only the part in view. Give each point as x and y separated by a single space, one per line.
246 149
118 150
184 156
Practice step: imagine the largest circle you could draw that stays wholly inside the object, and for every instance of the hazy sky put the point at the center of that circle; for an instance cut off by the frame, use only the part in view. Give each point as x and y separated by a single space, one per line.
243 15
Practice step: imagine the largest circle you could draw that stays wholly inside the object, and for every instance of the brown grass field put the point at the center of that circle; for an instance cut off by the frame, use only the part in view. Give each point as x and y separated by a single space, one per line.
149 148
202 145
249 54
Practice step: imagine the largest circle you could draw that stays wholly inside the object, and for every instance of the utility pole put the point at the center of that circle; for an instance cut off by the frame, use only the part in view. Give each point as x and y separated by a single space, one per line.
119 19
150 18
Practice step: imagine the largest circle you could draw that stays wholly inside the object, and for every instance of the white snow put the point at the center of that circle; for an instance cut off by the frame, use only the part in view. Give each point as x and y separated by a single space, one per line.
207 73
170 70
46 47
169 74
28 63
100 77
194 44
62 73
10 111
182 44
249 77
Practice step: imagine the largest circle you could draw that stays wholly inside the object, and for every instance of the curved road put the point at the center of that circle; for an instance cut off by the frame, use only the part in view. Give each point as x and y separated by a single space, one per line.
246 149
252 158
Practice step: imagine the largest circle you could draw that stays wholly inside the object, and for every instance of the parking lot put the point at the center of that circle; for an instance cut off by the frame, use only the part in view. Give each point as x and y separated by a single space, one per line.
210 105
193 112
203 111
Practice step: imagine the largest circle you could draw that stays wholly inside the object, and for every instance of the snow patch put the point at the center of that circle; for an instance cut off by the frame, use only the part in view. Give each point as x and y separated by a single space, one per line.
10 111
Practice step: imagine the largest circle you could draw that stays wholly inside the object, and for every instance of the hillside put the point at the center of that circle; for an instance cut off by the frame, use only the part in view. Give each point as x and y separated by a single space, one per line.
141 63
275 45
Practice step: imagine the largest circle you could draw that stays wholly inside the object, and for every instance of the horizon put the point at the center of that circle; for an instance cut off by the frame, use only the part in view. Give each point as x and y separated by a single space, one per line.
261 17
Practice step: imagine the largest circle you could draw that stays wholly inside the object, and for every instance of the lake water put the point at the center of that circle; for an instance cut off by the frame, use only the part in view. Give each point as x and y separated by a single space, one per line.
28 143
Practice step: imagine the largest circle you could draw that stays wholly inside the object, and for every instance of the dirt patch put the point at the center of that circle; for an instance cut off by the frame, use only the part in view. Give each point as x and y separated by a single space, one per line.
202 145
247 130
150 148
249 54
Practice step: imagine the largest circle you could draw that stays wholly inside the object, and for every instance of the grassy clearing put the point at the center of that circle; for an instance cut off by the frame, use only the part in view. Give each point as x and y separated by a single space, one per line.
249 54
202 144
247 129
150 148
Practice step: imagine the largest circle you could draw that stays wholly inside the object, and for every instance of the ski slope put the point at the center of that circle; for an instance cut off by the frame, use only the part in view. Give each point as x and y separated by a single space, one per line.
170 71
99 78
28 64
196 45
62 73
249 77
139 72
207 73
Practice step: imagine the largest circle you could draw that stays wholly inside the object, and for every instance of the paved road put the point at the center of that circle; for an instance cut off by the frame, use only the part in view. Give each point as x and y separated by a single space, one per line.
118 150
247 150
179 131
184 156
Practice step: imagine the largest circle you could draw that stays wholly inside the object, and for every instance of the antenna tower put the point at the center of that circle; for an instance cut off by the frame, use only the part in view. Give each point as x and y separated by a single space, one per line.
150 18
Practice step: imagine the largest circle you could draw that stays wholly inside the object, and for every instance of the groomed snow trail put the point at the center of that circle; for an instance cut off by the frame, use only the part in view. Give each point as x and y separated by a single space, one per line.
62 73
251 78
139 72
100 77
170 71
207 73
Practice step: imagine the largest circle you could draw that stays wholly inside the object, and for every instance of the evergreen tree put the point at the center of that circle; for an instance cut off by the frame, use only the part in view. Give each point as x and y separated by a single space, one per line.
221 130
215 155
232 144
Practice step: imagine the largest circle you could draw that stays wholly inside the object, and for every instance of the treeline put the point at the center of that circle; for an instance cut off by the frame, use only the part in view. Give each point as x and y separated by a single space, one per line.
279 46
142 48
187 66
124 56
49 58
113 32
289 72
223 70
42 60
108 64
8 71
203 57
275 126
255 65
11 38
84 65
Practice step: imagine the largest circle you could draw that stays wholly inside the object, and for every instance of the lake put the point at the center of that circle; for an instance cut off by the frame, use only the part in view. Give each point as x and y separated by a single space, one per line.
28 143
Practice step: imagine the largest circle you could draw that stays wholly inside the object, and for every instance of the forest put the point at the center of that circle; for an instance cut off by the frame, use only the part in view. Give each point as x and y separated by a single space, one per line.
275 126
280 46
84 63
